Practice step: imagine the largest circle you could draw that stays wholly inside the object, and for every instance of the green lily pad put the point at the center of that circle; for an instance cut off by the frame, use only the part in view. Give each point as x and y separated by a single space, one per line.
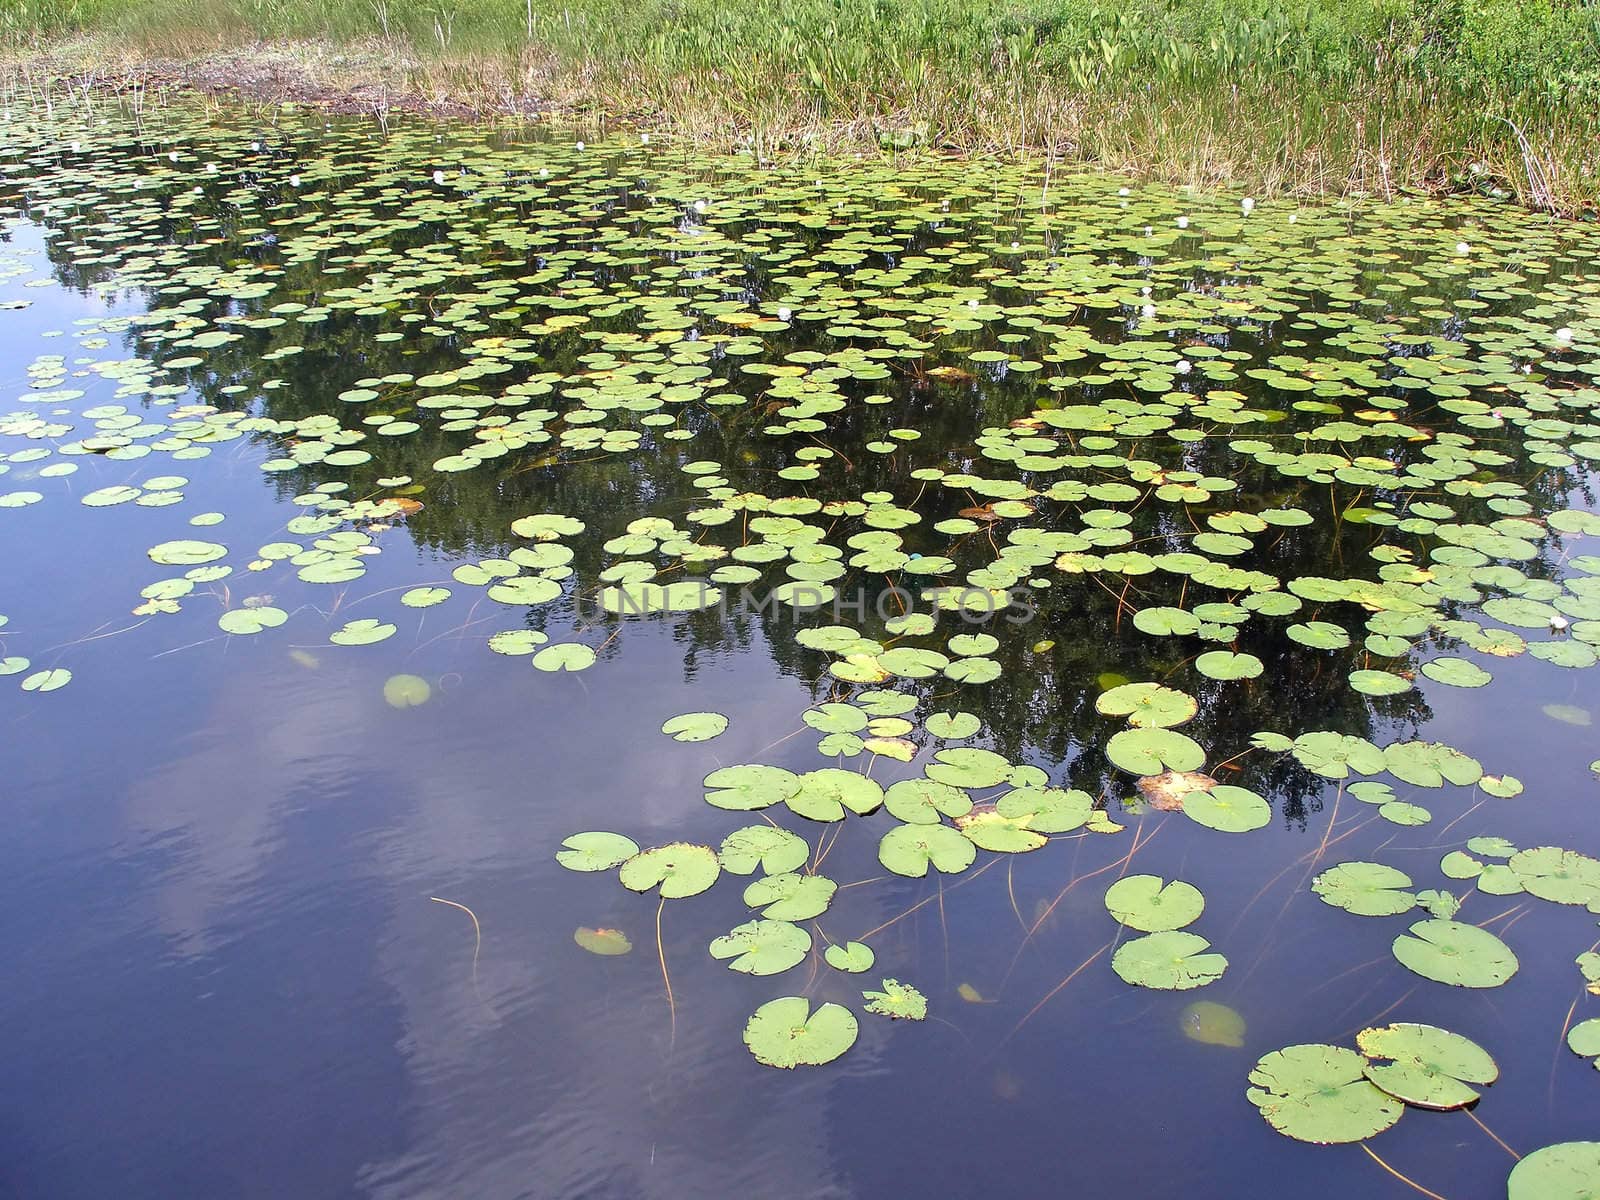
245 621
954 725
1151 751
750 786
776 851
361 633
565 656
1169 961
826 795
924 801
1457 954
1320 1094
763 947
1427 1066
680 869
786 1033
854 957
1366 889
791 897
899 1001
694 727
1222 664
1568 1171
1562 876
911 849
992 830
1227 808
1457 672
596 851
1149 904
49 680
1147 705
1047 810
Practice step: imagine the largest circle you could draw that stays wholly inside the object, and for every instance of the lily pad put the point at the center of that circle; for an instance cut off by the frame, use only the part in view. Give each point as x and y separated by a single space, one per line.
899 1001
596 851
786 1033
854 957
1320 1094
763 947
911 849
1170 961
1457 954
694 727
1426 1066
1149 904
679 869
791 897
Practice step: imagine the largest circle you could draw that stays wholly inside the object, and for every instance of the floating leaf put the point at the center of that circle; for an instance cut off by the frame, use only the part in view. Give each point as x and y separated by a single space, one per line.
360 633
899 1001
911 849
1429 1067
1320 1094
597 851
1564 876
1151 751
1568 1171
924 801
694 727
790 897
786 1033
854 957
1171 961
1366 889
1149 904
750 786
1227 808
1457 954
1147 705
680 869
763 947
776 851
565 656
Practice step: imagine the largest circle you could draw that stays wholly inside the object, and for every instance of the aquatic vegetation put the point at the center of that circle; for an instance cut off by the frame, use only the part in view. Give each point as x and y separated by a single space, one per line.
1275 490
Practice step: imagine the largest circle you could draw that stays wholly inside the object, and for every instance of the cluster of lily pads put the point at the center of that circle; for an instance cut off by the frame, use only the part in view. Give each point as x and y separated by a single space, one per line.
1335 453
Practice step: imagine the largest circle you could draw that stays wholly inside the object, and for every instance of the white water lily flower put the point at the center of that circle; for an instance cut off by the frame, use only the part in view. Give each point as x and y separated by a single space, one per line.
1293 217
1122 191
1463 248
1183 222
580 145
1247 204
644 139
294 181
1558 624
699 206
438 176
784 314
1184 366
1564 335
1148 311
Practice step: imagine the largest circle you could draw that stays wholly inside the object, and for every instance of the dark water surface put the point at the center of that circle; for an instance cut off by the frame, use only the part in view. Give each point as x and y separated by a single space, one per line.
228 976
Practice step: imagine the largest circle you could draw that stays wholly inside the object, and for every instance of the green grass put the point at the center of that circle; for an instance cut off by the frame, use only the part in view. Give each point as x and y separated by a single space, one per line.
1320 96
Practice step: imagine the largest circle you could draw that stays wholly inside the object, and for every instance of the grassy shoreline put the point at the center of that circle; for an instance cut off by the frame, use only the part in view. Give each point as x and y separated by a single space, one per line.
1358 96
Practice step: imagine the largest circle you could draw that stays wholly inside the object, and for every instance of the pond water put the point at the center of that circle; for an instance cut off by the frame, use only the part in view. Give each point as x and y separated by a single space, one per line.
371 497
